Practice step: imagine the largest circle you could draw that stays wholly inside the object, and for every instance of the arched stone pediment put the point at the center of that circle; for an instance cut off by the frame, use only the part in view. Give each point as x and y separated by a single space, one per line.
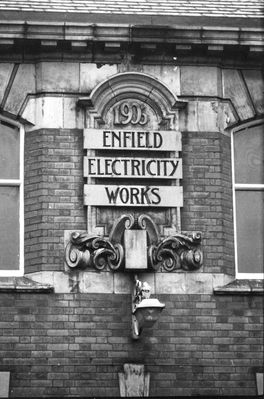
134 86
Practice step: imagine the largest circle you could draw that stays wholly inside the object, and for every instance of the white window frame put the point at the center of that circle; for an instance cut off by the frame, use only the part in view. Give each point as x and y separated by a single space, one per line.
17 183
237 187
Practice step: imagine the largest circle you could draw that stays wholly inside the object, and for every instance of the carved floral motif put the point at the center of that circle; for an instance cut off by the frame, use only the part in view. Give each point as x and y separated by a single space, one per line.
84 250
170 253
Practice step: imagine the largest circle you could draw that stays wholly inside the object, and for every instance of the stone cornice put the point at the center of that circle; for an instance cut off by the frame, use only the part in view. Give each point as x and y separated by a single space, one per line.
49 33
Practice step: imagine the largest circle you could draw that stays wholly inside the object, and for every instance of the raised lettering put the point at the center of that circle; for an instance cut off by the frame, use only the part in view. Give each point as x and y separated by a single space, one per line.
174 167
135 166
124 195
144 195
141 143
114 167
90 165
133 113
155 192
105 137
116 137
135 194
149 169
157 140
112 196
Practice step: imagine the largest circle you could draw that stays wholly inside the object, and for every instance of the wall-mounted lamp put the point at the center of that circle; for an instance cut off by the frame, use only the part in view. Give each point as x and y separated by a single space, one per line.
134 245
145 310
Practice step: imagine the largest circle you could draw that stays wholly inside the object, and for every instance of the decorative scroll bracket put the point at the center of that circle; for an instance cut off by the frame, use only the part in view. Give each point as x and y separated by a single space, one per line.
170 253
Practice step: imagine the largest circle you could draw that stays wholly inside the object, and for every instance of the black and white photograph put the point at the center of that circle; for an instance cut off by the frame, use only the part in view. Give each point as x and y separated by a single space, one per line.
131 198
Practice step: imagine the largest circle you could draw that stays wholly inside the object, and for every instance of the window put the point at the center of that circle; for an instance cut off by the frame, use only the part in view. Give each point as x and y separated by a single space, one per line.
11 198
248 183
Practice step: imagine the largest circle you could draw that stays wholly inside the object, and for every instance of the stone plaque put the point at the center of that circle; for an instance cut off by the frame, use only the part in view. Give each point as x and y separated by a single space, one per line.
140 140
133 196
165 168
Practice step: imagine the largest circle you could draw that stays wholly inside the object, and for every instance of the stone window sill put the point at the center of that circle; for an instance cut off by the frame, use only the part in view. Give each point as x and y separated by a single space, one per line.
241 287
23 284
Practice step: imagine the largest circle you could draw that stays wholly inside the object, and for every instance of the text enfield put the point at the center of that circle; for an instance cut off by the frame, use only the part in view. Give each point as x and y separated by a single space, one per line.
127 140
131 139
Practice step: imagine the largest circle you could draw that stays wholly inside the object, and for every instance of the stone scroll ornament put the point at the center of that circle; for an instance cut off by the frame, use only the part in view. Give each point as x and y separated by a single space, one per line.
179 251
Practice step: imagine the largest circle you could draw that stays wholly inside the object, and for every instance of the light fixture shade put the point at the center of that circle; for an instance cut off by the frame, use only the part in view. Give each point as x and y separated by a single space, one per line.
147 312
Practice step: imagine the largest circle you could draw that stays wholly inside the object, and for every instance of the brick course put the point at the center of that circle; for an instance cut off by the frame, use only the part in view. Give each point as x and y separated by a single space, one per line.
53 195
201 345
207 188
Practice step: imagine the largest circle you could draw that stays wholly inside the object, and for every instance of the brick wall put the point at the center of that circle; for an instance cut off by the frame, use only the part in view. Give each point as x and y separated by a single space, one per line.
53 195
75 344
207 191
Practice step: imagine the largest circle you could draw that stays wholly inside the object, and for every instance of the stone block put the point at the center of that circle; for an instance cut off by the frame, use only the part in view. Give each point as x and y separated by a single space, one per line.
57 76
24 83
134 381
259 379
29 113
221 279
135 249
95 282
91 75
200 81
42 277
63 283
188 118
235 89
123 283
5 73
167 74
49 112
170 283
228 116
73 117
199 283
255 84
4 384
208 116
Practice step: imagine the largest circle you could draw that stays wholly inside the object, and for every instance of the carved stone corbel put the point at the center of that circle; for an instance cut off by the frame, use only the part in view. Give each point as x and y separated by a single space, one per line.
169 253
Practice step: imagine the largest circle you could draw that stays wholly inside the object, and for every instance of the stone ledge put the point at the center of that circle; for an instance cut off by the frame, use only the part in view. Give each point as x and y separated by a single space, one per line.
241 287
92 281
23 284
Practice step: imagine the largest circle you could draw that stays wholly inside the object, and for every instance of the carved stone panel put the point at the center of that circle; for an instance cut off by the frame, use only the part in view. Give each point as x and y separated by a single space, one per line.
134 244
132 162
130 114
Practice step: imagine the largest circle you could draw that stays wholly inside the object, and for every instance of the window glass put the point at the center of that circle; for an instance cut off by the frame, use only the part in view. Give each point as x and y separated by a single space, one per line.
9 152
9 228
250 230
249 155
